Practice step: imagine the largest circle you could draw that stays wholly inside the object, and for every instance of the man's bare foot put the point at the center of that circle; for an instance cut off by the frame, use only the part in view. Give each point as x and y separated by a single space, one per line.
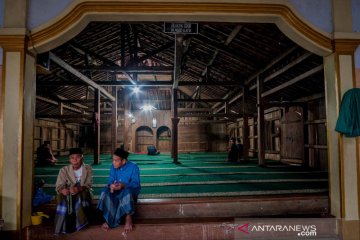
105 227
128 224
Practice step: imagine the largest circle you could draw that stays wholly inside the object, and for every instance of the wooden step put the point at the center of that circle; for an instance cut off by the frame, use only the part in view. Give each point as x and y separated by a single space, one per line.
233 207
251 206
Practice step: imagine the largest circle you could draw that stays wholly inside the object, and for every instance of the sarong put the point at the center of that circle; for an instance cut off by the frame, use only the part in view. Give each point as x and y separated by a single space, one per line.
116 205
71 215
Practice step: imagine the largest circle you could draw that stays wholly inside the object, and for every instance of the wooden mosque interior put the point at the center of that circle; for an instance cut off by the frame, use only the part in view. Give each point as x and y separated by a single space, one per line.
226 75
244 80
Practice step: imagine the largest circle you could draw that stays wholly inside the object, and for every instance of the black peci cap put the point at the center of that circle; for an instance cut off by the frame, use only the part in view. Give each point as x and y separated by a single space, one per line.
121 153
75 151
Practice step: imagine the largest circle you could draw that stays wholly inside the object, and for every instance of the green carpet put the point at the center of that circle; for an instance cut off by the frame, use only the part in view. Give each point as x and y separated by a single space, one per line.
202 174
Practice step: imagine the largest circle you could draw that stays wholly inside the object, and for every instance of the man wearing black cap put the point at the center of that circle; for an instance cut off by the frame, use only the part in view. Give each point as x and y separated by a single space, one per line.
122 190
73 186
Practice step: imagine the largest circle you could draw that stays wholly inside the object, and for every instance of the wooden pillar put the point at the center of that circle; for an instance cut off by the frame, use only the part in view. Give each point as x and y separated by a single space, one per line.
17 112
260 123
245 128
343 151
175 121
306 137
114 121
127 123
97 127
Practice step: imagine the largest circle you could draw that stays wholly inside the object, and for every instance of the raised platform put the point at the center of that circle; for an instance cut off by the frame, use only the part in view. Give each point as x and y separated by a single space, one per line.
198 218
251 206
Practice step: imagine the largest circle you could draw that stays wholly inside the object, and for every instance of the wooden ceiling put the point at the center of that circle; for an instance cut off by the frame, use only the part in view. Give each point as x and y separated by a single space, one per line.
217 63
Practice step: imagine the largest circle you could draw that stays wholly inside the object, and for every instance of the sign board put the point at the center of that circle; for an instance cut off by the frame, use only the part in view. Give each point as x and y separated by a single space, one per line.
181 27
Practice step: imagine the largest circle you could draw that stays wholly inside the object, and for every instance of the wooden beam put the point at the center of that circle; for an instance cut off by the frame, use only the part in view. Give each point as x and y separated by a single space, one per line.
202 121
103 59
96 122
210 83
252 78
153 53
245 127
175 122
186 91
139 83
293 81
194 109
53 102
114 120
67 116
209 115
108 83
81 76
271 64
260 123
287 67
224 49
282 70
312 97
178 58
202 100
133 69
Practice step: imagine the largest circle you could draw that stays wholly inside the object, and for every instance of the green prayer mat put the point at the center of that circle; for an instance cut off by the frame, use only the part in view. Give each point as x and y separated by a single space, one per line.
200 175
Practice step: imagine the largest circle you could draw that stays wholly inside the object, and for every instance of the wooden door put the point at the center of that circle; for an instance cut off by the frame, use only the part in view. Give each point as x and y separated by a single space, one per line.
164 139
292 138
144 138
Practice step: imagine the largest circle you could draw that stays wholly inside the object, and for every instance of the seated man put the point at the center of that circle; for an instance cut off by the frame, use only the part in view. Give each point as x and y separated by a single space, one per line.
44 155
240 148
233 152
121 193
152 150
73 186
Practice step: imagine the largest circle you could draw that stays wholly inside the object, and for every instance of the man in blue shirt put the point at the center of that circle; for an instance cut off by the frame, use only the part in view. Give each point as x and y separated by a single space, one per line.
122 190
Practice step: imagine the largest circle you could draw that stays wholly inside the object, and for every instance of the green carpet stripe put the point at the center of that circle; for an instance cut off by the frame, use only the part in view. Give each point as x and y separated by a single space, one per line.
200 190
228 194
211 182
96 179
196 174
201 174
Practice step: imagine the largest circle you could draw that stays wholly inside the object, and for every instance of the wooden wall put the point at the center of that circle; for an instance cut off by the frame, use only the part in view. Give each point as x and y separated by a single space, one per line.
61 136
315 134
193 137
105 132
316 141
272 137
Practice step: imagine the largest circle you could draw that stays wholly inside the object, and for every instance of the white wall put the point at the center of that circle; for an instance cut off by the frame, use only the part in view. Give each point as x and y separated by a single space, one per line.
318 12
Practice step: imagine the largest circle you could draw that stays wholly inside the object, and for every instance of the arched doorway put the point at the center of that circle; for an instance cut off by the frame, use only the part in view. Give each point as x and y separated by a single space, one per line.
144 138
163 138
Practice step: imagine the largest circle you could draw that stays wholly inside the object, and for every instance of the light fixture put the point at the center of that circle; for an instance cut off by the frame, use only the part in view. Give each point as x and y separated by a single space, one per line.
130 115
133 120
154 122
136 90
147 107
